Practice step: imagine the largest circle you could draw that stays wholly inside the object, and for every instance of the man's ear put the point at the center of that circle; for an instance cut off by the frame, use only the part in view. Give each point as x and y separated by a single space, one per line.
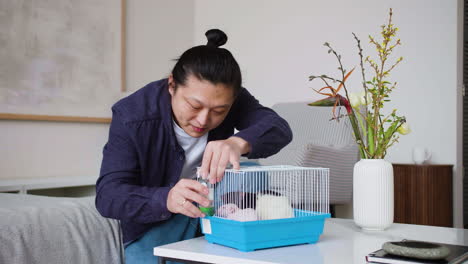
171 84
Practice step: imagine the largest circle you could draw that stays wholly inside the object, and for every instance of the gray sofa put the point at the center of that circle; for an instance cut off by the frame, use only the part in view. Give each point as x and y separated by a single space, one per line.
319 141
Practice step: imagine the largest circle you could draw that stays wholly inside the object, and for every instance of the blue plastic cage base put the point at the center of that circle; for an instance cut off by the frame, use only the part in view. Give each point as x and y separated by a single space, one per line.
305 228
261 245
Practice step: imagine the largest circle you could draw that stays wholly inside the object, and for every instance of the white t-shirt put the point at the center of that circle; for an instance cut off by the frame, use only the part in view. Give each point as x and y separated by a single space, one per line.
193 147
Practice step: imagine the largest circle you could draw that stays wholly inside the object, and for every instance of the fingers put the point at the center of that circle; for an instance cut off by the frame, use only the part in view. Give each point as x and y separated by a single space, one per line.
234 160
206 161
221 167
187 208
214 166
190 210
181 197
195 197
218 154
194 185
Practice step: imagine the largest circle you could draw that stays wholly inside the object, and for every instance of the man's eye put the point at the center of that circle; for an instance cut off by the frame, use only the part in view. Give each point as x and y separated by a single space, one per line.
195 107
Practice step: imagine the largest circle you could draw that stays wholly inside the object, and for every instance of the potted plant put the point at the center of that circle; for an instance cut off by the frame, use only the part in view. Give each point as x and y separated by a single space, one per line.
374 132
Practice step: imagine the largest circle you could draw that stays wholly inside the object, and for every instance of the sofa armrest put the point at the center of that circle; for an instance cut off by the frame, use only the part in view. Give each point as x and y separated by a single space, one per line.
40 229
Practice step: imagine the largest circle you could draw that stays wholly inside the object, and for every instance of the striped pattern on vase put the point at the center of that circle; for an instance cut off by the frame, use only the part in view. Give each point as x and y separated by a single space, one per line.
373 194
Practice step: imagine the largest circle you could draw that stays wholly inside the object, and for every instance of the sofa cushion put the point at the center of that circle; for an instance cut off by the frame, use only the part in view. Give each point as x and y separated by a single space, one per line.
340 159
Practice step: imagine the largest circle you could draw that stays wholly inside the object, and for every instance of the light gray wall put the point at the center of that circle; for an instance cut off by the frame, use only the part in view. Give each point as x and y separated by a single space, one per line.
158 32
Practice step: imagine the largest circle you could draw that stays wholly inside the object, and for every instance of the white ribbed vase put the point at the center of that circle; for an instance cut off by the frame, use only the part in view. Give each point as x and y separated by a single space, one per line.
373 194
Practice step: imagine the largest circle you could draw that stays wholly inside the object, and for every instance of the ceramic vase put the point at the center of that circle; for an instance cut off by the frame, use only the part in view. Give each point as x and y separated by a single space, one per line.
373 194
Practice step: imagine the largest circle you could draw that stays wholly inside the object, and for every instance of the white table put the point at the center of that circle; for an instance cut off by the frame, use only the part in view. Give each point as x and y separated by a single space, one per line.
341 242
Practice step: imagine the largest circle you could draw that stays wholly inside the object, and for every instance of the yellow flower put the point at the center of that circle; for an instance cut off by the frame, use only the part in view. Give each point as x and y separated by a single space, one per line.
355 99
362 97
404 129
359 98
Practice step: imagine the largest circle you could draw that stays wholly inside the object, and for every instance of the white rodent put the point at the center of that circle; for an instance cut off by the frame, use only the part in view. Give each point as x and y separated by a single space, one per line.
273 207
243 215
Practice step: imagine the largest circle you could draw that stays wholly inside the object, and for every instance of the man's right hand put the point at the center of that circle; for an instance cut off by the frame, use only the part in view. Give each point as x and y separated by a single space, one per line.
181 197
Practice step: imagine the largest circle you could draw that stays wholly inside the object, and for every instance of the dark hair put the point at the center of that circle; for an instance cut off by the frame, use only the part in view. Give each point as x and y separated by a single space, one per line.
209 62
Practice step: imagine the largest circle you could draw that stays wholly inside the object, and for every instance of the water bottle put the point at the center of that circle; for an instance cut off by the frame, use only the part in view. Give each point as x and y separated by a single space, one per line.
209 210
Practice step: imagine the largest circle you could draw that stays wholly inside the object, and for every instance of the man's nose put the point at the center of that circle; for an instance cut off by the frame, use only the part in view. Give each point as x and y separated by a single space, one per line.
203 117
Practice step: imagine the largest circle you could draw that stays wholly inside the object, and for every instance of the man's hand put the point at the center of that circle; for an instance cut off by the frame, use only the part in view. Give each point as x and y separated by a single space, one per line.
181 196
218 154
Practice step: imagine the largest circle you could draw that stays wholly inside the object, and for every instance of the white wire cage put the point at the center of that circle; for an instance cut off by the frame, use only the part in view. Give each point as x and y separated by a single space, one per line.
271 192
276 205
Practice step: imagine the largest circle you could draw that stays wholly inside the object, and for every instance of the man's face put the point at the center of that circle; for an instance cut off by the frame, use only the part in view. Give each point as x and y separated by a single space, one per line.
199 106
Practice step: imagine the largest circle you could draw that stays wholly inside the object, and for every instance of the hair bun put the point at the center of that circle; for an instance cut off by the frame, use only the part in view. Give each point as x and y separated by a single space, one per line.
216 38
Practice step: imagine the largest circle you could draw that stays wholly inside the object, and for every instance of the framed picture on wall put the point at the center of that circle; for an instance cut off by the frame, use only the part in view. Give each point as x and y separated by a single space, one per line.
61 60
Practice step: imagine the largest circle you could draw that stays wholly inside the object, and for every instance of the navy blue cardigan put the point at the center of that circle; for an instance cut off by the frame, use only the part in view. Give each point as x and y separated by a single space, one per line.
142 159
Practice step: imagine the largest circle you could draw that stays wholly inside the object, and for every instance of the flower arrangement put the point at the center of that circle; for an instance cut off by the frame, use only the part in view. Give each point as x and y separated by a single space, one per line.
374 132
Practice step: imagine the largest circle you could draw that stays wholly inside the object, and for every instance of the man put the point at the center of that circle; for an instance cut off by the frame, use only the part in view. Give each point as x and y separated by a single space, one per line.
159 136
